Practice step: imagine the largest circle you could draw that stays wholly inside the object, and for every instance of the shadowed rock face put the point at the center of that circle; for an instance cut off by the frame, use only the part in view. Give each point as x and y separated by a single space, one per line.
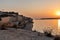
9 19
57 37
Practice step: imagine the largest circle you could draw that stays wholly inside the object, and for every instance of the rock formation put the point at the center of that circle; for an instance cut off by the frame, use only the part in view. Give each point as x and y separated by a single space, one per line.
9 19
18 27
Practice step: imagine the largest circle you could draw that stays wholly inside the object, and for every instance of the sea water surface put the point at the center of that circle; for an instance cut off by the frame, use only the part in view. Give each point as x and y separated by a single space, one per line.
42 25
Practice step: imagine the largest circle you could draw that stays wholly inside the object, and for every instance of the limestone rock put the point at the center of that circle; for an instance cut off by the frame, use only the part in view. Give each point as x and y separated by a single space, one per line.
20 34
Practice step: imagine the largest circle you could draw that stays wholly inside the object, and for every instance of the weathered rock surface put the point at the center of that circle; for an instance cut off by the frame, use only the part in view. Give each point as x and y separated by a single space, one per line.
18 27
20 34
13 19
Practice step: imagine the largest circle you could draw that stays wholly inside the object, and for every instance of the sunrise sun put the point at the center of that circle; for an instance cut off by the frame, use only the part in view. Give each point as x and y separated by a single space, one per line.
58 13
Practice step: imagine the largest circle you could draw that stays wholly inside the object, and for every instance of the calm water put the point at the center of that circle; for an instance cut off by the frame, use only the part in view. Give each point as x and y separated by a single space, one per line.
42 25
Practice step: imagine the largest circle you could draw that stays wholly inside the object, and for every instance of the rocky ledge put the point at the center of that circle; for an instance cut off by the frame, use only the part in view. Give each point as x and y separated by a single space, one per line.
18 27
21 34
14 20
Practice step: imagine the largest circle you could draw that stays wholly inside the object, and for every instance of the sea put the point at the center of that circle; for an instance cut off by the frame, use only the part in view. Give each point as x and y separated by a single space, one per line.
46 25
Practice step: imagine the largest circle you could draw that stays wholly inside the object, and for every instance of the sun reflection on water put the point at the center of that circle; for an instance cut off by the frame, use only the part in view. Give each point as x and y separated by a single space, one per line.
59 24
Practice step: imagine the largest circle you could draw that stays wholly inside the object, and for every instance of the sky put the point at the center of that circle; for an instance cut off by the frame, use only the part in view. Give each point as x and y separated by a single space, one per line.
31 8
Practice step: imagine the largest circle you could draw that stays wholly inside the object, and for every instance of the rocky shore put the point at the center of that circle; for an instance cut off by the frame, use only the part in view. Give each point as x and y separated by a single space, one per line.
18 27
21 34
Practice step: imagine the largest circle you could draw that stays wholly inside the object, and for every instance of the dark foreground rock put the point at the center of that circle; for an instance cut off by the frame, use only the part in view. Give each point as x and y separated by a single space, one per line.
20 34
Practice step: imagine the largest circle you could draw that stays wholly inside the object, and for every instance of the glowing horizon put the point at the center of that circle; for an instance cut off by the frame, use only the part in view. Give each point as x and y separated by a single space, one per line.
32 8
58 14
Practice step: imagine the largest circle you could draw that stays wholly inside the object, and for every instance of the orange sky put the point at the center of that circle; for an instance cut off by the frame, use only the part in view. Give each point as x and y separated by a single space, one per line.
32 8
